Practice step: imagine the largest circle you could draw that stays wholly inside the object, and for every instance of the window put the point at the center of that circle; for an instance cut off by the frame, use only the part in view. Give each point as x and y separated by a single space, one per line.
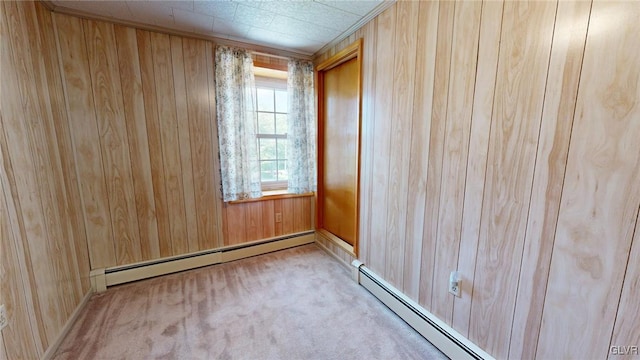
271 130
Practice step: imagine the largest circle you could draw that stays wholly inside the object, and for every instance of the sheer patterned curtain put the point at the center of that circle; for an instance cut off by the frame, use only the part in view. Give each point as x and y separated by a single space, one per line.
301 134
236 115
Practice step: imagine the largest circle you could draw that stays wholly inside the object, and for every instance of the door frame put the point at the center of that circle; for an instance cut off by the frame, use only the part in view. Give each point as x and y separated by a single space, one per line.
353 51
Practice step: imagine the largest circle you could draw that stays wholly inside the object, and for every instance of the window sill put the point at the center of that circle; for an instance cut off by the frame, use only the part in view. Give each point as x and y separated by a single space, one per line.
273 195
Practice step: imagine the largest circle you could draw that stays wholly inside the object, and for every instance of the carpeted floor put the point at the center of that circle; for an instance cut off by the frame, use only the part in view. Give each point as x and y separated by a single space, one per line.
298 303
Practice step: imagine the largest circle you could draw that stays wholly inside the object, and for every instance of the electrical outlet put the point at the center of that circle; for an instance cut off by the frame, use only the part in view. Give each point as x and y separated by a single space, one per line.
278 217
454 283
3 317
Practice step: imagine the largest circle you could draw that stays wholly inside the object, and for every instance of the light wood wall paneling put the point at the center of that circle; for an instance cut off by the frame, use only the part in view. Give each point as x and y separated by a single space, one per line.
553 145
522 70
277 208
464 57
34 177
386 24
114 143
366 136
268 219
402 108
134 113
601 192
84 131
184 137
235 224
488 51
626 331
145 54
18 338
59 129
171 157
436 144
427 36
202 142
16 277
253 221
288 222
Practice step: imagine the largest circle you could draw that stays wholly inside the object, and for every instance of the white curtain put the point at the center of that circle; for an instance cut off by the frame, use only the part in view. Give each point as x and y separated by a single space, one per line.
236 115
301 134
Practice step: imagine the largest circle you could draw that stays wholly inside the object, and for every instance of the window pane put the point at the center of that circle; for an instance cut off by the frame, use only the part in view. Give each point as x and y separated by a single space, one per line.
268 171
267 149
281 101
282 170
265 99
281 124
282 149
265 123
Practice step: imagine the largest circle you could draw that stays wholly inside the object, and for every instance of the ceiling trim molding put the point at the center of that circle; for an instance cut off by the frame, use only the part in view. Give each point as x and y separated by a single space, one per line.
229 41
384 5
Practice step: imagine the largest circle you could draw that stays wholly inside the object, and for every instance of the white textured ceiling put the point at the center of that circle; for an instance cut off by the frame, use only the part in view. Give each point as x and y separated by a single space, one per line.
302 26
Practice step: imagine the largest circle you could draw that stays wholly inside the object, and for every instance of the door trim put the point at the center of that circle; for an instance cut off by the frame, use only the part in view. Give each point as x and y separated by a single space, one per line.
353 51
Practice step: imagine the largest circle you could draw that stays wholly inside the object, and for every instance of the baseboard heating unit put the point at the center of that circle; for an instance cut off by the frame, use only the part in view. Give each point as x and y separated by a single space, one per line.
103 278
441 335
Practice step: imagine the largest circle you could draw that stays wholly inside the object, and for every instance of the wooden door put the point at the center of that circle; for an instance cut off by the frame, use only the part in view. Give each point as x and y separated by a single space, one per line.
339 146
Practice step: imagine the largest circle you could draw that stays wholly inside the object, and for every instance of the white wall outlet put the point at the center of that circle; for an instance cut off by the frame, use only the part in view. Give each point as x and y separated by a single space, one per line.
3 317
454 283
278 217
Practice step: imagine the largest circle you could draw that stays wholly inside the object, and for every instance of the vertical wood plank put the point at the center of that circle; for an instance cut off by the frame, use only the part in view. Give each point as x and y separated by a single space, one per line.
385 23
236 224
84 131
184 138
366 138
601 193
268 219
436 143
522 70
59 129
557 119
253 220
626 331
147 72
403 87
419 154
171 158
107 97
277 208
464 56
288 216
202 143
488 51
134 113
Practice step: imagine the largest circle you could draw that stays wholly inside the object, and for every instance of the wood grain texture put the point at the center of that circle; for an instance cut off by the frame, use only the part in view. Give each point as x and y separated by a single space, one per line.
202 142
437 117
340 122
464 57
114 143
171 157
419 154
385 37
626 331
522 66
84 131
553 145
134 112
601 192
184 137
43 250
402 107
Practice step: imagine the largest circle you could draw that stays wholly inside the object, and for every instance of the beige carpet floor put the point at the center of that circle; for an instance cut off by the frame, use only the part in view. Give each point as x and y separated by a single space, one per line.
298 303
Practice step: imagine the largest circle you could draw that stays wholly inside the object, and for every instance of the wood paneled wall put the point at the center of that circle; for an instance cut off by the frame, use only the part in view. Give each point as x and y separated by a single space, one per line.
44 263
499 140
257 220
142 112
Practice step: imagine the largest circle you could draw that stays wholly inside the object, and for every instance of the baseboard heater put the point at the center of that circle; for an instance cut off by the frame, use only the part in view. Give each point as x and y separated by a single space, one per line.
103 278
441 335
